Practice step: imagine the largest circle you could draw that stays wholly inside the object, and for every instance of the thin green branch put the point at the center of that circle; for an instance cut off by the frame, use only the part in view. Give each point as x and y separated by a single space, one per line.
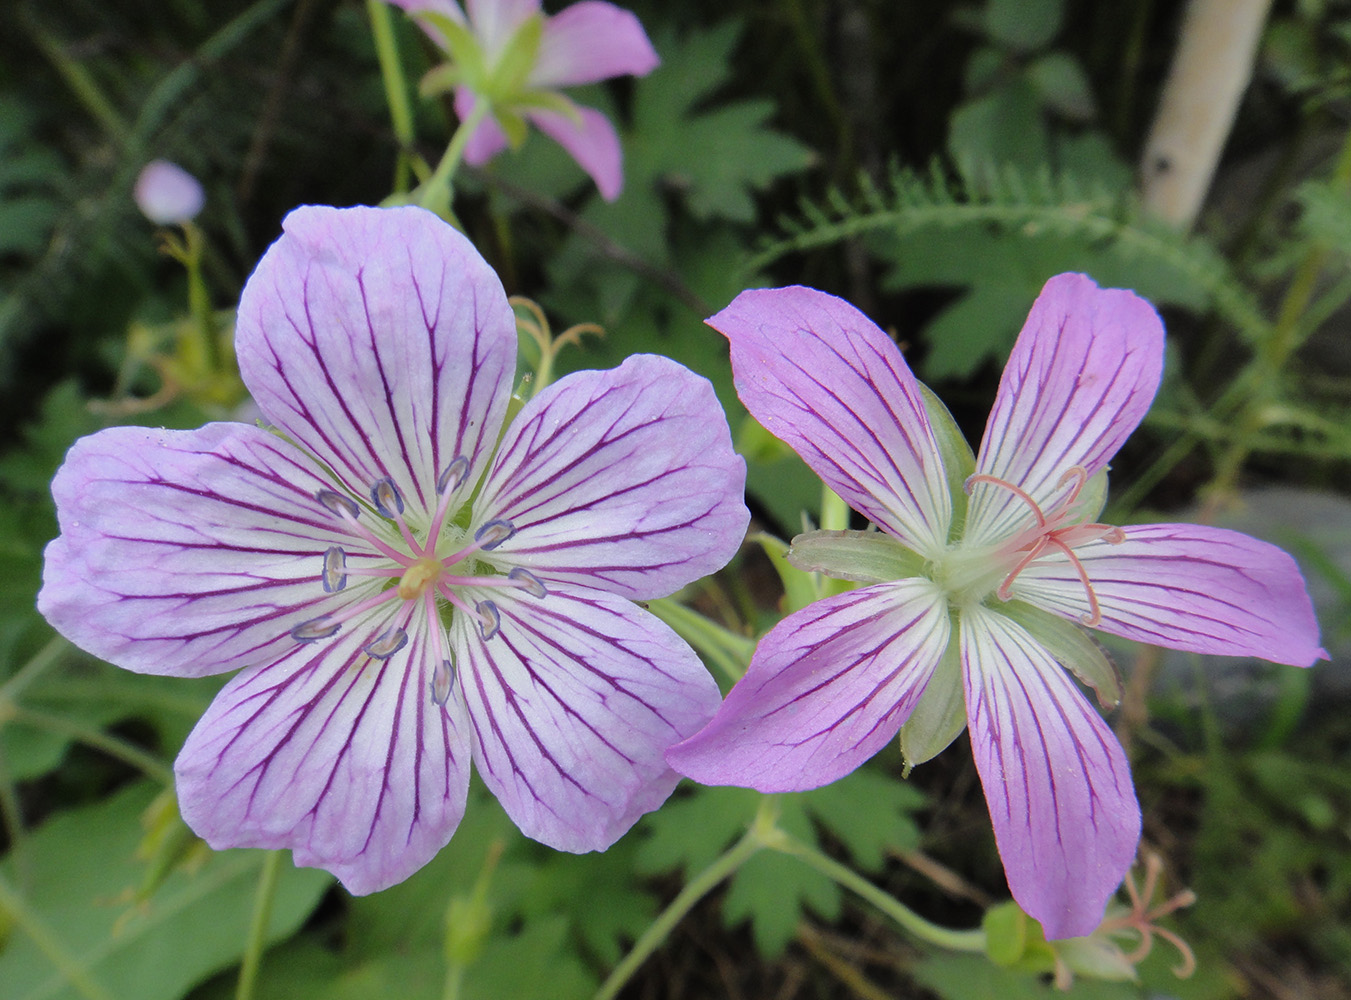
148 764
70 968
262 917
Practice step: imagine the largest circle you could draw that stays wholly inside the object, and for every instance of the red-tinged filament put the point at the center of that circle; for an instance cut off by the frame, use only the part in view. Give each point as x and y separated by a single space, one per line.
1053 529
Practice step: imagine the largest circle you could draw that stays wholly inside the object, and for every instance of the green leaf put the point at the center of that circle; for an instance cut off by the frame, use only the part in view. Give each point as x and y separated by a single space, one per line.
1023 25
870 812
1063 85
690 831
79 877
771 891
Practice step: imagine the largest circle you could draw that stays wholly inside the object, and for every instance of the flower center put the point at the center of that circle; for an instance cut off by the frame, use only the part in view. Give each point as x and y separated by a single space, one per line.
414 576
1050 530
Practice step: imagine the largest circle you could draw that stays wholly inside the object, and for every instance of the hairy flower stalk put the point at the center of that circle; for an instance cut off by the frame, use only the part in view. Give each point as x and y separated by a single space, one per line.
977 583
402 584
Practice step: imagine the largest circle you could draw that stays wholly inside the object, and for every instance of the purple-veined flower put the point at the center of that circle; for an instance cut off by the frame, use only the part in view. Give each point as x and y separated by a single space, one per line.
980 577
513 55
167 194
402 584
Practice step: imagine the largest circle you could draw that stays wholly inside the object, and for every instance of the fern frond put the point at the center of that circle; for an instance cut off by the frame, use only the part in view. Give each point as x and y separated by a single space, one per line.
1012 199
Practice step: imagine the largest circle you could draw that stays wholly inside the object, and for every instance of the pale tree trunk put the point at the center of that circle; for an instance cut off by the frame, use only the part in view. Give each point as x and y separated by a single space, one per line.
1211 69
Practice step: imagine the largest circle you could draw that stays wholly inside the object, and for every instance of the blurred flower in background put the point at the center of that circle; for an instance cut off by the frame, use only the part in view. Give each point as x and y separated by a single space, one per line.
167 194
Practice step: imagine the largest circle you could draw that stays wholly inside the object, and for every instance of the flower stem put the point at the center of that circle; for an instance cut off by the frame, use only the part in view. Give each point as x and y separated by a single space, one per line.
724 649
262 916
437 192
148 764
943 937
696 889
72 970
42 661
396 87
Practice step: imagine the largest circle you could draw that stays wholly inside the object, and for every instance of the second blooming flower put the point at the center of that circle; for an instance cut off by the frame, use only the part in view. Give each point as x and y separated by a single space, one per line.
403 584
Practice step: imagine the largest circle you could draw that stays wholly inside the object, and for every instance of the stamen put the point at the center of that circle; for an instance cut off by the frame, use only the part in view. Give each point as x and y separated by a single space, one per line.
386 497
338 504
335 569
493 534
443 678
1094 617
386 644
528 582
453 475
316 628
1017 491
489 621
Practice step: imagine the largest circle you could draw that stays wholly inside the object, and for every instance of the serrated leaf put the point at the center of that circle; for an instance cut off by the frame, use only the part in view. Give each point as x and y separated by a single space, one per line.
869 813
771 890
79 877
690 831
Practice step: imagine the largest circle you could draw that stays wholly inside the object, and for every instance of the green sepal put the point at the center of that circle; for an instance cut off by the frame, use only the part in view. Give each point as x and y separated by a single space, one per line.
515 61
959 463
1072 647
860 556
440 80
465 51
513 126
800 587
940 715
1092 499
1096 957
547 100
1014 940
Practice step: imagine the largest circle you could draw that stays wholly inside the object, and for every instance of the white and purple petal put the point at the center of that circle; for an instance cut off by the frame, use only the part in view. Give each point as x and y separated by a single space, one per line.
380 341
572 699
495 21
341 757
624 480
1080 379
821 376
1186 586
589 139
589 42
827 688
190 552
1065 816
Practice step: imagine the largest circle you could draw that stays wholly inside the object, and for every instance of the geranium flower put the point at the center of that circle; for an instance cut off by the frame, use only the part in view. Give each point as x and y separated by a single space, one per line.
513 55
400 590
973 607
167 194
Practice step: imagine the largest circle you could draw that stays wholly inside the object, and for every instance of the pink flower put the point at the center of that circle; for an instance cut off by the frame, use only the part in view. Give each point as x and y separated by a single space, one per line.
402 583
979 578
513 55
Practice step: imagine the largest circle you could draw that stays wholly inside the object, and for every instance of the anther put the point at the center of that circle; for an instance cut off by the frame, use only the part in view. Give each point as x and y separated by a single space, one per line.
386 644
337 503
453 475
335 569
440 685
493 534
489 621
529 582
385 495
316 628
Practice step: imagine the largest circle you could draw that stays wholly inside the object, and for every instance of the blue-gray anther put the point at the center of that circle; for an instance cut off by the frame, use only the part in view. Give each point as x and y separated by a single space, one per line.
385 645
453 475
441 683
494 533
316 628
488 619
337 503
335 569
529 582
385 496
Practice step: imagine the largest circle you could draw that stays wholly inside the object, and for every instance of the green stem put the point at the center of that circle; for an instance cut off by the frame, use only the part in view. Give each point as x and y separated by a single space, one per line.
262 917
834 511
726 650
199 300
42 661
151 766
943 937
72 971
696 889
437 192
396 87
81 83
